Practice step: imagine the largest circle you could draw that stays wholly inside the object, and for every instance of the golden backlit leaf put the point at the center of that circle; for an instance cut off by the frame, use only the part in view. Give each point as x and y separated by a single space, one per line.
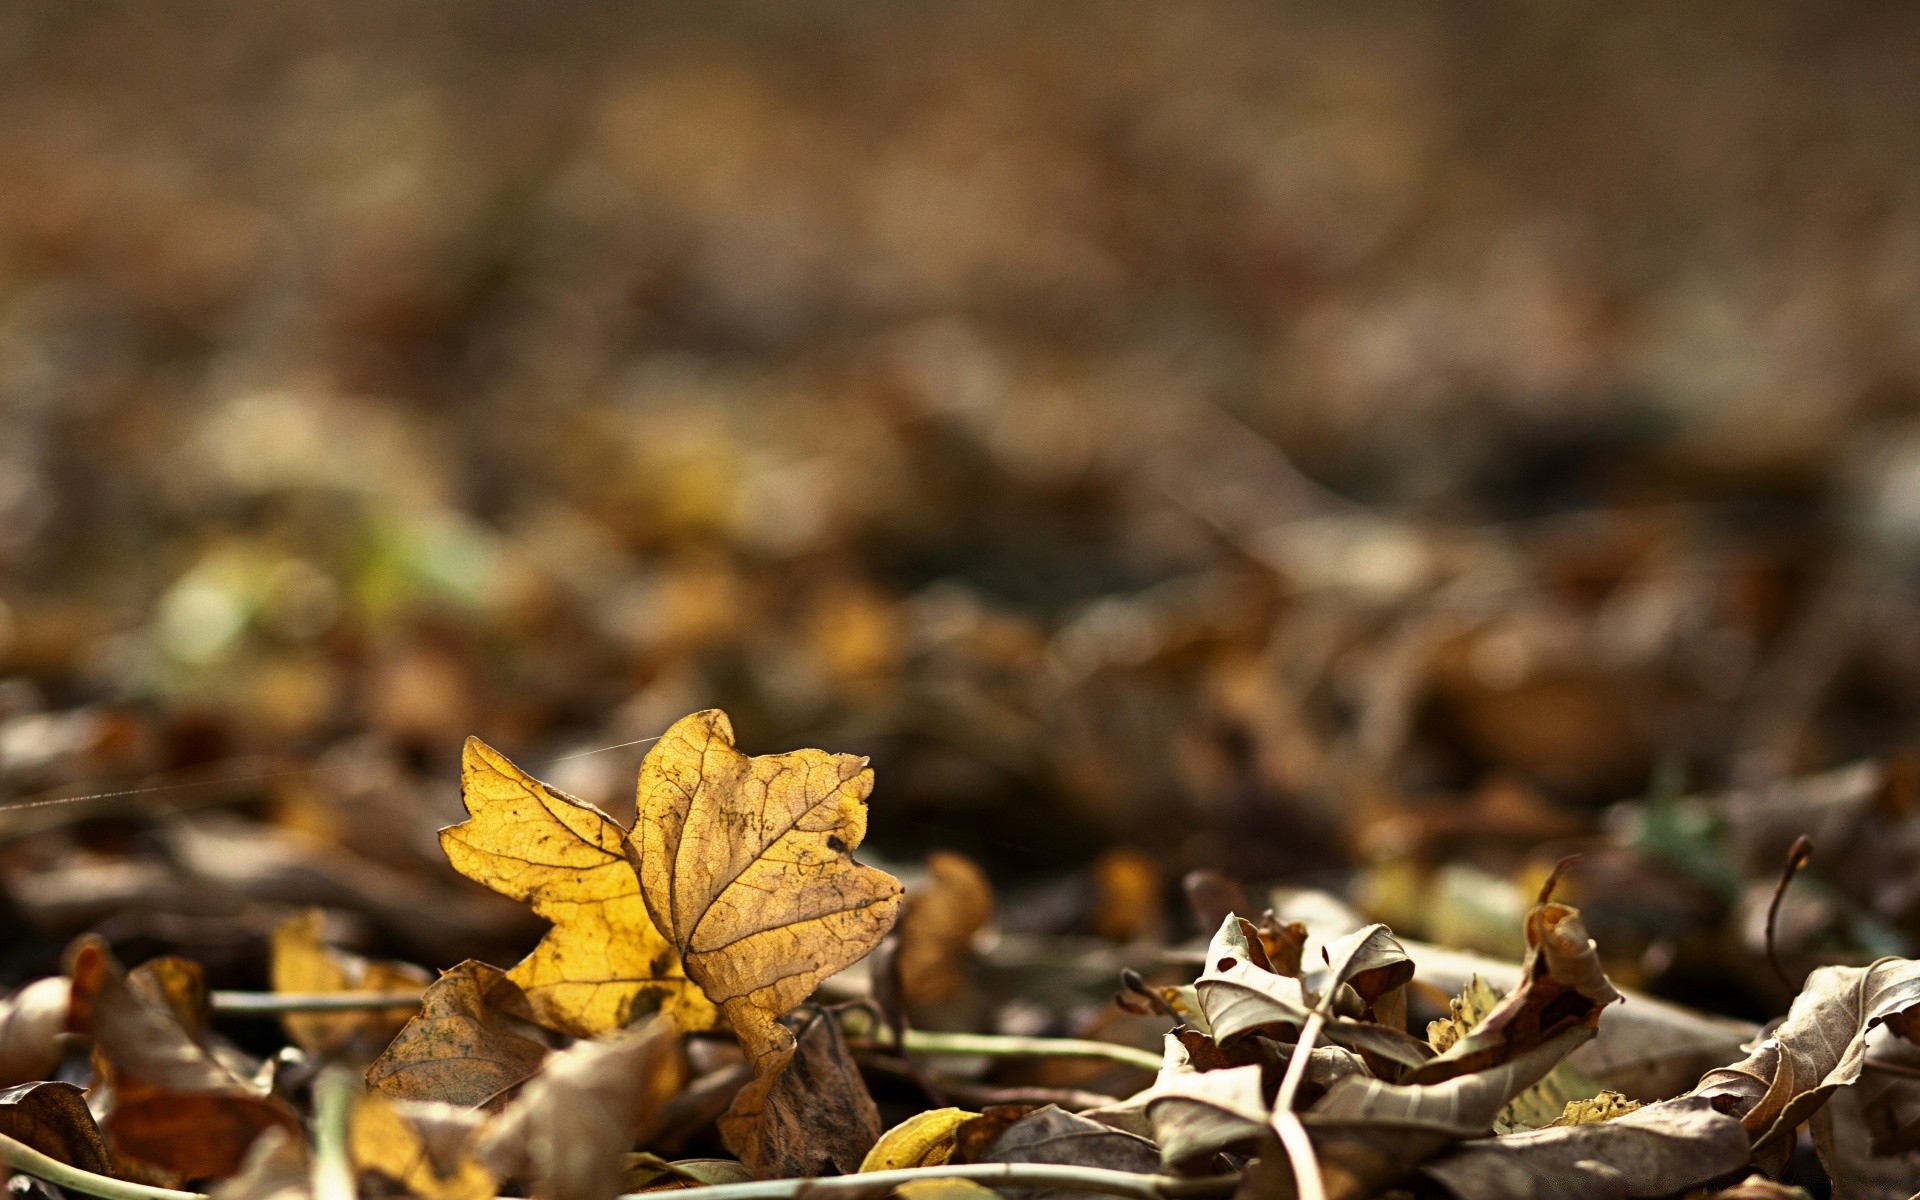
746 864
31 1022
421 1145
603 963
303 963
922 1140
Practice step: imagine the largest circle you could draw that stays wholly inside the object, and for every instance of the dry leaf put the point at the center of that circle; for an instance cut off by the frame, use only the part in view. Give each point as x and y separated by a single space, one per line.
937 929
603 964
1196 1113
464 1046
922 1140
944 1189
1653 1151
173 1104
568 1133
424 1146
1594 1109
807 1111
651 1173
1053 1135
747 865
301 962
54 1119
1820 1046
277 1167
31 1022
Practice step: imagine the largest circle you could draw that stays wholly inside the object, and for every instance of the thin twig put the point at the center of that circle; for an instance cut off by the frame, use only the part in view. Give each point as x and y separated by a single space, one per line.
917 1041
1286 1123
1797 856
29 1161
333 1095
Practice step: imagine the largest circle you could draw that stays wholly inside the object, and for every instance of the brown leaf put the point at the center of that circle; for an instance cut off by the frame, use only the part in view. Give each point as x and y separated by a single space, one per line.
1653 1151
31 1022
464 1046
603 963
303 963
568 1133
1820 1046
1053 1135
807 1111
424 1146
937 929
53 1118
651 1173
173 1104
1196 1113
746 865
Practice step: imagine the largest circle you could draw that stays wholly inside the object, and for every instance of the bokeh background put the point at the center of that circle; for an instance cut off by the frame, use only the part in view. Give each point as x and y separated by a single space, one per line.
1372 446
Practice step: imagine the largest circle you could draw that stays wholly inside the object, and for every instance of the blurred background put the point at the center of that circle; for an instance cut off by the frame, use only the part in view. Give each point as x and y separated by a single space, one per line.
1377 447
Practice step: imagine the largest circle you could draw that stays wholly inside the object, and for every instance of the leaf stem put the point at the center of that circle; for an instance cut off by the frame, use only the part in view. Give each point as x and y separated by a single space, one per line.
927 1041
272 1004
333 1095
1286 1123
28 1161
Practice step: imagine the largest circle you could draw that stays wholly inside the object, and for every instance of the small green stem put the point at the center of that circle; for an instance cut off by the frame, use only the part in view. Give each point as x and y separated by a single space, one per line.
28 1161
333 1094
926 1041
918 1041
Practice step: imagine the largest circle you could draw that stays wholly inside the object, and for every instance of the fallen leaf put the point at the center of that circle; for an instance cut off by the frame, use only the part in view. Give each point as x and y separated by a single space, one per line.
1196 1113
937 928
54 1119
301 962
1653 1151
424 1146
1820 1046
1592 1110
464 1046
922 1140
277 1167
807 1111
1053 1135
567 1135
31 1022
169 1102
944 1189
604 963
651 1173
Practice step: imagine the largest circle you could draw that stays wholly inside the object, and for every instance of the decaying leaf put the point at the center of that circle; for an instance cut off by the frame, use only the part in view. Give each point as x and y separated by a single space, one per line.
277 1167
301 962
1195 1113
937 931
54 1119
169 1101
464 1046
1546 1102
922 1140
567 1135
807 1111
1592 1110
424 1146
651 1173
603 963
1053 1135
1653 1151
1820 1046
31 1022
746 865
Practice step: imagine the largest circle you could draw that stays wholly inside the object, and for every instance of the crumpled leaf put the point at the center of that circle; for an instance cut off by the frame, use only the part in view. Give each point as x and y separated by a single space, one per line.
277 1167
169 1102
922 1140
464 1046
1239 992
1820 1046
1195 1113
31 1022
1653 1151
301 962
1053 1135
651 1173
807 1111
1547 1101
569 1131
746 865
424 1146
603 964
1594 1109
54 1119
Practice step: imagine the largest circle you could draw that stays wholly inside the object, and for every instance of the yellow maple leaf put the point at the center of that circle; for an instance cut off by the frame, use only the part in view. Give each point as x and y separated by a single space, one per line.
746 865
603 963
